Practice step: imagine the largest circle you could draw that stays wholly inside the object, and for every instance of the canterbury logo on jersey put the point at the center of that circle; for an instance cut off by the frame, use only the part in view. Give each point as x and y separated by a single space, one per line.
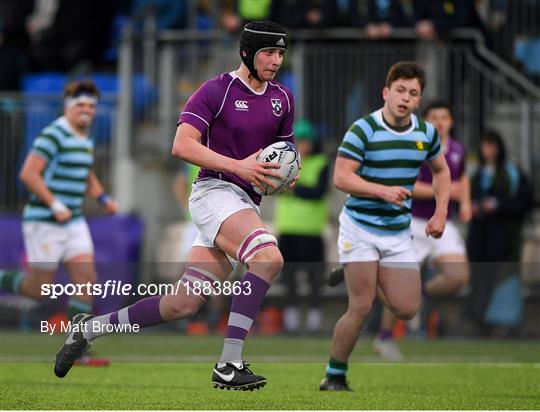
241 105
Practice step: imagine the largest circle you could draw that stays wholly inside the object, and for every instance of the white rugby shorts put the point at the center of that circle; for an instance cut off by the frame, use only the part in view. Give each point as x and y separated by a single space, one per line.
450 243
211 202
356 244
48 244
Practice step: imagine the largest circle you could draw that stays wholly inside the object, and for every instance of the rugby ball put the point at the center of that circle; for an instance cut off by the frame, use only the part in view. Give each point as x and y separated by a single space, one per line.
286 155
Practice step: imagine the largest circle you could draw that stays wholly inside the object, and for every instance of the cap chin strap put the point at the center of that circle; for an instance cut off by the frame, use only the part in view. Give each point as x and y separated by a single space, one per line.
251 65
254 71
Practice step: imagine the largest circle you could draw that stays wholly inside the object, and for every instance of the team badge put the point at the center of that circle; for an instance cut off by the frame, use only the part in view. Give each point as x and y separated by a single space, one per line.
455 157
276 107
420 145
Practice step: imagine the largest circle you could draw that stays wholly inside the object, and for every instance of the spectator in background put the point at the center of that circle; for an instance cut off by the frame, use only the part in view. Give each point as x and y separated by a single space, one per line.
497 14
236 13
14 41
382 16
169 14
500 198
42 18
433 18
79 35
304 14
301 216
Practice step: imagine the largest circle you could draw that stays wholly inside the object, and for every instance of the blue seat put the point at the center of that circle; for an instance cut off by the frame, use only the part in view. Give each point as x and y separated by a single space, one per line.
528 53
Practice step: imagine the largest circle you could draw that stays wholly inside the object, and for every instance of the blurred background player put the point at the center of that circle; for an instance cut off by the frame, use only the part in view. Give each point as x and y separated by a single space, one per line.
301 216
377 165
448 254
58 172
223 203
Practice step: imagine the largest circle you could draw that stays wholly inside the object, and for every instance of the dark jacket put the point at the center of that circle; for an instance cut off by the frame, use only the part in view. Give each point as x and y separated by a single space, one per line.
496 236
447 14
494 239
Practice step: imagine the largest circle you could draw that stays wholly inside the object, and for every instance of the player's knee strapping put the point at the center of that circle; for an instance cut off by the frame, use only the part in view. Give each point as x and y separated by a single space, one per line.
253 243
200 282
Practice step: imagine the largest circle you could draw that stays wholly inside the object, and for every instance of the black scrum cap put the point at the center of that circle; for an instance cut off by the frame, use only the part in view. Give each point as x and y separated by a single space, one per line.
258 36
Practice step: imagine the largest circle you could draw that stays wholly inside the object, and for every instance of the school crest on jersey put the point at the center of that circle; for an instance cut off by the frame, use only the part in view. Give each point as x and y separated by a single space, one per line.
276 107
455 157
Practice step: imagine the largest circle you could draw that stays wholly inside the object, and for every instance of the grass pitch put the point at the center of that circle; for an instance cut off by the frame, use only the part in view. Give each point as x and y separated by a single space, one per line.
153 371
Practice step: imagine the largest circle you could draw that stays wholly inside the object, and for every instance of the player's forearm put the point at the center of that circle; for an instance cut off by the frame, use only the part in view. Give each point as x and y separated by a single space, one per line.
36 185
441 190
192 151
422 191
94 188
466 188
354 185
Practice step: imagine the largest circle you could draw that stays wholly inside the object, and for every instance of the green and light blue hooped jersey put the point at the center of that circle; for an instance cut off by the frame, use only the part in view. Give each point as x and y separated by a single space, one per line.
69 160
389 158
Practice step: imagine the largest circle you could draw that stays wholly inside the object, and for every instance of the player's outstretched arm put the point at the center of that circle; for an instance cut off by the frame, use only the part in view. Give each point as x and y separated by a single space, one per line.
187 146
346 180
31 176
95 190
441 189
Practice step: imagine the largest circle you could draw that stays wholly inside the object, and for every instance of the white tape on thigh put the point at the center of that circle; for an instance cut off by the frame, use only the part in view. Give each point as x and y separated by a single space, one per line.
252 243
201 279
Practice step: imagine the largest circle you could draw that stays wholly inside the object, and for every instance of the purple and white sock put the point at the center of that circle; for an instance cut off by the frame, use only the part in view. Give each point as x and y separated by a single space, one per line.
244 309
384 334
144 313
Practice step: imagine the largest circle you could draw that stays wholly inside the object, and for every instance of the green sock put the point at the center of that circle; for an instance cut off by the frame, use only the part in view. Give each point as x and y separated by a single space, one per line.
76 306
336 367
10 280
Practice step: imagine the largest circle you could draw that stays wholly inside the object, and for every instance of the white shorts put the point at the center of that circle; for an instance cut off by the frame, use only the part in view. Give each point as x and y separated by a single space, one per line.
211 202
450 243
358 245
48 244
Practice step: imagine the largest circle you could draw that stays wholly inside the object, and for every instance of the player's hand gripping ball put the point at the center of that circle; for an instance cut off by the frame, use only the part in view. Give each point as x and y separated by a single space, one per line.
286 155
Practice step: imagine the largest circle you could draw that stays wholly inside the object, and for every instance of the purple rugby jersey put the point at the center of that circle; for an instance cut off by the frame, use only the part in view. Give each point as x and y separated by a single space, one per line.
236 122
455 157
